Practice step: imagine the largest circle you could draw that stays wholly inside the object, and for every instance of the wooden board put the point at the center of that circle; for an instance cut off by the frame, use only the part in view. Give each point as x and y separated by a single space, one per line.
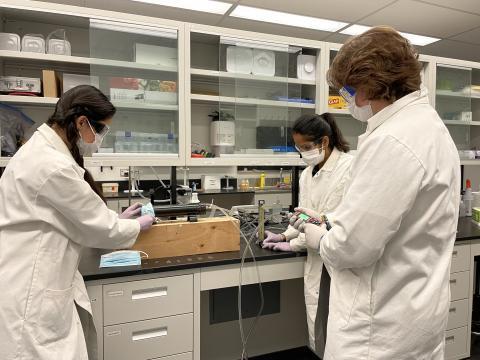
180 238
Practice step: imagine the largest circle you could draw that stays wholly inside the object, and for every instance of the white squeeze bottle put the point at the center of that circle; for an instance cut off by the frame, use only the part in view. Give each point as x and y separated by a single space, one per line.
468 198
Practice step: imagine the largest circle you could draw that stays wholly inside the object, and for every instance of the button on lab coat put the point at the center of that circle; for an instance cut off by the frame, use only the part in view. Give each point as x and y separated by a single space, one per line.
48 213
321 192
390 246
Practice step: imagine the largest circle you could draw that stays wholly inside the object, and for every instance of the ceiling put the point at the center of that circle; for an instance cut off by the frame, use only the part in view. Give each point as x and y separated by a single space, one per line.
456 22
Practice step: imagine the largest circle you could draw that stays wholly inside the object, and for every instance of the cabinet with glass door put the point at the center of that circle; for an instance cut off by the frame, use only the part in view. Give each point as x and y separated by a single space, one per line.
245 96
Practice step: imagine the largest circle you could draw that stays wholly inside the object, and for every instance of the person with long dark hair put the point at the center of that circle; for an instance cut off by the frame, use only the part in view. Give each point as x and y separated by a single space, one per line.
51 209
324 150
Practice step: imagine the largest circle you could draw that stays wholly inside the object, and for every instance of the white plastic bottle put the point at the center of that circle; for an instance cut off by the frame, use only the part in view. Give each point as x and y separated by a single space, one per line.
468 198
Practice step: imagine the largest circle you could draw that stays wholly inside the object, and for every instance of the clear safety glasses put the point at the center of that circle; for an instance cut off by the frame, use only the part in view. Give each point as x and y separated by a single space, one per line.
98 128
306 147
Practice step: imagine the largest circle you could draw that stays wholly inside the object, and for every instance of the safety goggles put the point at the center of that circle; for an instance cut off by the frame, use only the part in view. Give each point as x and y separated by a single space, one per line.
99 128
348 93
306 147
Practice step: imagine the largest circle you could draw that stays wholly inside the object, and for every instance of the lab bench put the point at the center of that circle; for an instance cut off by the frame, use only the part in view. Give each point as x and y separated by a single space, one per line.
160 310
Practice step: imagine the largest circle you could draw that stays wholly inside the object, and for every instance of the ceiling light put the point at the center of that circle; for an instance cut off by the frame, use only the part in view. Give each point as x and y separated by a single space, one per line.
419 40
210 6
277 17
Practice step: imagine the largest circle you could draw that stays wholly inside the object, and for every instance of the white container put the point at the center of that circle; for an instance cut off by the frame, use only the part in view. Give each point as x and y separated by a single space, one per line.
110 188
72 80
9 42
210 182
20 84
239 60
59 47
156 55
468 200
127 95
263 62
161 97
33 43
306 69
466 116
222 133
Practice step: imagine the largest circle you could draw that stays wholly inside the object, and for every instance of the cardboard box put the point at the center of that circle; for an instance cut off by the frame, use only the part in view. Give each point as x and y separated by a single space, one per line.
337 102
181 238
50 84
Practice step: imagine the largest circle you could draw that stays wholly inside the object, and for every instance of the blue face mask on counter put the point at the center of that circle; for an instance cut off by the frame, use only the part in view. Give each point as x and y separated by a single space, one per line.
121 258
148 210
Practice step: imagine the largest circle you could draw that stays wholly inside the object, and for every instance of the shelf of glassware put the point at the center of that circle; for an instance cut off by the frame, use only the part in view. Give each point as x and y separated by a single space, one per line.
46 101
79 60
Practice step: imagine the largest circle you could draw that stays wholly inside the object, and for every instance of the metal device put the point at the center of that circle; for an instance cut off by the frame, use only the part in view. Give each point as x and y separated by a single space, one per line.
261 220
172 211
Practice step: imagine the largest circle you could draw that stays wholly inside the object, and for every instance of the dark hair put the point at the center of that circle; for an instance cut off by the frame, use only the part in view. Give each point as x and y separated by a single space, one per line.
381 61
315 127
83 100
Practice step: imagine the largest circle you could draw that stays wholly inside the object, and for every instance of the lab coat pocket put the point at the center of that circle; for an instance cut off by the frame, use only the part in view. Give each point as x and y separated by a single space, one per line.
55 316
343 296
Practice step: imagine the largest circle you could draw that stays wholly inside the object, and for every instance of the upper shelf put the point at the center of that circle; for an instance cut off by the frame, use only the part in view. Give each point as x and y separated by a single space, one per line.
225 74
249 101
46 101
449 93
36 57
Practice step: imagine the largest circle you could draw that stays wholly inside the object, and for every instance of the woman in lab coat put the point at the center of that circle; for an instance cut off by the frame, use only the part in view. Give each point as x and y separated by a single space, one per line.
391 240
322 183
50 209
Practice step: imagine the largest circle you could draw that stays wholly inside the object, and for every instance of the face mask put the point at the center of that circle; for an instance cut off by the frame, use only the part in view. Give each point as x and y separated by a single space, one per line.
313 157
362 113
87 149
121 258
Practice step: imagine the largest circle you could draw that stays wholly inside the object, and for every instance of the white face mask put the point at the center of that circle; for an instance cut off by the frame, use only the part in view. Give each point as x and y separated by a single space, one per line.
87 149
361 113
313 157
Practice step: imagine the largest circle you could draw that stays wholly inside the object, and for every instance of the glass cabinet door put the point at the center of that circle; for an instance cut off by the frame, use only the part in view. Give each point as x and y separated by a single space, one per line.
136 66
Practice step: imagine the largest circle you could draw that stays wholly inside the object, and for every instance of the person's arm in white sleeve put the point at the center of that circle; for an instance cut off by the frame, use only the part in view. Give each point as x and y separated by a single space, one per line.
92 223
387 179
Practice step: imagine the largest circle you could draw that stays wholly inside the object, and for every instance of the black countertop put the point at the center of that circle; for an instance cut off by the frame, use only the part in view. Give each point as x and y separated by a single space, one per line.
467 230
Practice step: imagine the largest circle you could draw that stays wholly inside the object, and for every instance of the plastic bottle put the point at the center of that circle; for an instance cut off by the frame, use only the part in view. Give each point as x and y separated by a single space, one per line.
262 180
462 212
276 211
468 198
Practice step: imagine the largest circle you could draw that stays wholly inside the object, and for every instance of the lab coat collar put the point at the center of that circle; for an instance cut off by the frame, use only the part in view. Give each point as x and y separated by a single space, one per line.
386 113
332 160
55 140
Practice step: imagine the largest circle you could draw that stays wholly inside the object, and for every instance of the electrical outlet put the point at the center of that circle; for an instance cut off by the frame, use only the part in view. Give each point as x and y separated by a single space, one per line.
124 172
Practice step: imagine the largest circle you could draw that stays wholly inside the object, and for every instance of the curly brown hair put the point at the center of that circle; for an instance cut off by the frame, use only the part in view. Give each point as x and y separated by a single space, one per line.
381 61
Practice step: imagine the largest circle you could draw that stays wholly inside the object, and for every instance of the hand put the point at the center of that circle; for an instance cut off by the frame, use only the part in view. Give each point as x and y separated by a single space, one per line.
278 246
131 212
146 222
271 237
298 223
314 234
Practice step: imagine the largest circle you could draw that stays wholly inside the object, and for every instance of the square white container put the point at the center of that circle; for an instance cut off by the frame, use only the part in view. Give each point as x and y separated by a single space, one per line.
239 60
34 44
306 68
59 47
156 55
263 62
9 42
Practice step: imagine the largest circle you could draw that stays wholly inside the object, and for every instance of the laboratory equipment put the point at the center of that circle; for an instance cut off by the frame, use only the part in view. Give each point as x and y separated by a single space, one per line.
194 198
110 188
261 221
222 132
239 60
10 42
263 62
227 184
190 210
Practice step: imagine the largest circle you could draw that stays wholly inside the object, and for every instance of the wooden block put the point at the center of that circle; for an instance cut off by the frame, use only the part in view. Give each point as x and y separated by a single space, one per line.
180 238
50 83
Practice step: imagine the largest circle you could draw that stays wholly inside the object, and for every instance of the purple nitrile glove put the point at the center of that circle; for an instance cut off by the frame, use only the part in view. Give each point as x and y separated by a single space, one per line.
271 237
131 212
146 222
278 246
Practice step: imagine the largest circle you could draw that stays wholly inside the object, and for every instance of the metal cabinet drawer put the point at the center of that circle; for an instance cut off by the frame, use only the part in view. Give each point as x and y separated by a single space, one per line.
147 299
455 343
458 314
459 285
460 258
149 339
186 356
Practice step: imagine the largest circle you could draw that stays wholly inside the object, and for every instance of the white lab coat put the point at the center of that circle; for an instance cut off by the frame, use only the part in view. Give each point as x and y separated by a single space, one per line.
48 213
390 246
321 192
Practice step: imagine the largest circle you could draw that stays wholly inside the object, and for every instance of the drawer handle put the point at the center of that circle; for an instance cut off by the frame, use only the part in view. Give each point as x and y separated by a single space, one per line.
450 339
149 293
453 281
454 253
149 334
453 310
